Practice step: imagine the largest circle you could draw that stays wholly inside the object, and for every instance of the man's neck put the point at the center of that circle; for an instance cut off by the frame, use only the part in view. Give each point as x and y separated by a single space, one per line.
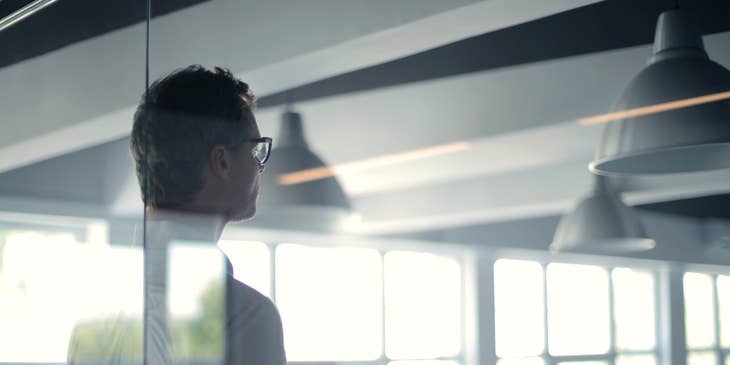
205 226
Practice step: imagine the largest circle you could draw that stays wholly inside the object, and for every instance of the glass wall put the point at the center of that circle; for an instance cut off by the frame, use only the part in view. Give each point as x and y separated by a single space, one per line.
71 276
406 182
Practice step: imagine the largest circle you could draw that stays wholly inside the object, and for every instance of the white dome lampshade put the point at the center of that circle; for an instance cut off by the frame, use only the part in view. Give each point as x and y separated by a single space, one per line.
688 139
602 224
318 205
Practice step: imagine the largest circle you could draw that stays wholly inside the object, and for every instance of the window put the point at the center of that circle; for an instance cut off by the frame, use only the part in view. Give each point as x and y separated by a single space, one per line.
422 306
185 286
634 311
195 301
519 309
330 301
563 313
578 310
251 263
699 311
707 316
337 304
45 281
359 304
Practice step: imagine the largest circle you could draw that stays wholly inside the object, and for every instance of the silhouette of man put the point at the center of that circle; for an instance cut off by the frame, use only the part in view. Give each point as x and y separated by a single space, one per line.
198 155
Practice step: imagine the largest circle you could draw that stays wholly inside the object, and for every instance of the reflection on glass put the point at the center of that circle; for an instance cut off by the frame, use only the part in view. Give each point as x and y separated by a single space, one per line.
522 361
583 363
698 310
422 305
636 360
330 301
634 309
55 291
702 358
251 263
578 309
727 360
723 294
196 302
33 314
186 286
519 308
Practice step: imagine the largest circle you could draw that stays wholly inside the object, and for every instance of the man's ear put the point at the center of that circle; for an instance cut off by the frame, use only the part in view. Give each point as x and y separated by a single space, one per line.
219 161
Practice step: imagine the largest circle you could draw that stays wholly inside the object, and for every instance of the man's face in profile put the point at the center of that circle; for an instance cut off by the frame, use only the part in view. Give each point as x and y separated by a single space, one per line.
243 189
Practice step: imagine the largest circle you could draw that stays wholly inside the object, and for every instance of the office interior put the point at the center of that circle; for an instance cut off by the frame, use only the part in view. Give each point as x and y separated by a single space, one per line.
470 197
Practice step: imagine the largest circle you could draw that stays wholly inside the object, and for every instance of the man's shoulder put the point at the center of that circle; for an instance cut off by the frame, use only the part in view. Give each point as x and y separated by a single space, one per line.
248 302
248 293
254 325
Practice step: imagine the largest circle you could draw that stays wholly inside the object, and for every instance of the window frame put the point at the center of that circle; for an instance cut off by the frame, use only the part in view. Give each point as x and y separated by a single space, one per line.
474 262
610 356
458 254
84 229
463 254
717 349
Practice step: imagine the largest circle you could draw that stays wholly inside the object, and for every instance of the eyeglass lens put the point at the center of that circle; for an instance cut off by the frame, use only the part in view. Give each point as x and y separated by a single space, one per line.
261 152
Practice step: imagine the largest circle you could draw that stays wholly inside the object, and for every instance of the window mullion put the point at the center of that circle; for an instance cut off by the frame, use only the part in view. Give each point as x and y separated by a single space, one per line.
272 270
612 320
470 310
548 358
673 336
383 358
486 329
463 305
659 327
716 322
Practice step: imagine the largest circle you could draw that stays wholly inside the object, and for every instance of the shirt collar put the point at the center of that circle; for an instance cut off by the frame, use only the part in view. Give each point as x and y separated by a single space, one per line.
164 226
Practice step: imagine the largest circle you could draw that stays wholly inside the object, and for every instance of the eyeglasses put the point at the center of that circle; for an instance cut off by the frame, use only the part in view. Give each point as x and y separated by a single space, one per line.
261 150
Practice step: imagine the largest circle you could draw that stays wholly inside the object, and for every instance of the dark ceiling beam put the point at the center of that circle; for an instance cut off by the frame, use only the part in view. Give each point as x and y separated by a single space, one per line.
8 7
595 28
71 21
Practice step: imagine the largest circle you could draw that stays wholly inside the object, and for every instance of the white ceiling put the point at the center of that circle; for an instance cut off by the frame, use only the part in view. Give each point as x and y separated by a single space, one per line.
84 94
527 154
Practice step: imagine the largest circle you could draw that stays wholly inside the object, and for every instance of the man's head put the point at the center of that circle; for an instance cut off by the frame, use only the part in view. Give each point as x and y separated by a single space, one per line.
191 142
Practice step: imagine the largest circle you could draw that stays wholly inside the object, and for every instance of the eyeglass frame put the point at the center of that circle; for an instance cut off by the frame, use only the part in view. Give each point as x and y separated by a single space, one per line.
267 140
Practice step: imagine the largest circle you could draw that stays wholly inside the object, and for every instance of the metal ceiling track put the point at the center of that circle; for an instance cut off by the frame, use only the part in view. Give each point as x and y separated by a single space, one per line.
24 12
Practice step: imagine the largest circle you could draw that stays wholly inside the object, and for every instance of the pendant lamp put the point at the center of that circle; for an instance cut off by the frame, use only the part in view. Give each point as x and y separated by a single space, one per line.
688 139
319 205
601 223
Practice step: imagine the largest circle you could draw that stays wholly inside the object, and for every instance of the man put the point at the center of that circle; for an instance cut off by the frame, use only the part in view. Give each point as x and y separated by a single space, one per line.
198 155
